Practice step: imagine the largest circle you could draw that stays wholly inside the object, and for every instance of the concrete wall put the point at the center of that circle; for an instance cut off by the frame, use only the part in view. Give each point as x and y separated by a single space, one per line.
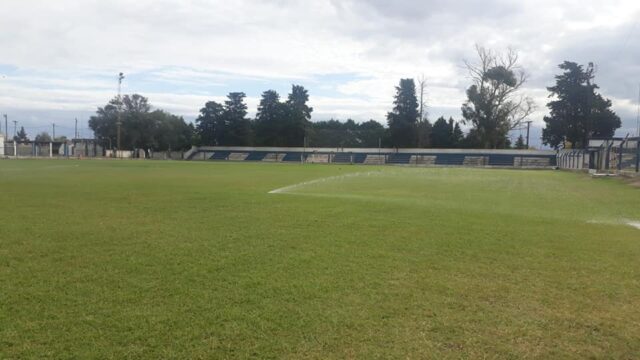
167 155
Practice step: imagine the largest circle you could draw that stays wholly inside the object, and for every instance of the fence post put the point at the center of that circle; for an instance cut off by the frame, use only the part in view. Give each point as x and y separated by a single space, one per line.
619 165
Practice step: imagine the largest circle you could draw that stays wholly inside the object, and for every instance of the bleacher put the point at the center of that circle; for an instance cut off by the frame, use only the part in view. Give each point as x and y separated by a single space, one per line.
220 155
450 159
399 159
501 160
342 157
359 158
256 156
446 157
294 156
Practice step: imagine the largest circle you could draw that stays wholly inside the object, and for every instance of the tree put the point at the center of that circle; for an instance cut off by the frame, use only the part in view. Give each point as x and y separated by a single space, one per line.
173 132
43 137
403 119
370 134
210 123
441 134
457 136
424 133
520 143
578 111
296 117
21 136
237 126
141 128
494 106
269 119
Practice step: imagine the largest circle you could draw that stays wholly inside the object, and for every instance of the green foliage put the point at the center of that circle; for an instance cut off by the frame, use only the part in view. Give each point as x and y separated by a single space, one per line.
493 106
334 133
180 260
210 124
520 144
21 136
424 133
43 137
237 131
268 120
224 125
579 112
446 134
141 128
403 119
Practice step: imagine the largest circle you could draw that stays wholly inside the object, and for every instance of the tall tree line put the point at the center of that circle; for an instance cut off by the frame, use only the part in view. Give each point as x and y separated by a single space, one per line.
495 106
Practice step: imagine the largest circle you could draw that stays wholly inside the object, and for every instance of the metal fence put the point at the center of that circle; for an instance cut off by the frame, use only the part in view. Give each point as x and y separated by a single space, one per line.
628 156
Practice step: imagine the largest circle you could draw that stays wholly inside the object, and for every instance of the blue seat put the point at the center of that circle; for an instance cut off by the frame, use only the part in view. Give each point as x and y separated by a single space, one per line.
359 158
220 155
450 159
256 156
294 156
399 159
501 160
342 157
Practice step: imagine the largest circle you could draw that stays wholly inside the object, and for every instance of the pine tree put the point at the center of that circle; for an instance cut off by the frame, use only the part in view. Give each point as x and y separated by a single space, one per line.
403 119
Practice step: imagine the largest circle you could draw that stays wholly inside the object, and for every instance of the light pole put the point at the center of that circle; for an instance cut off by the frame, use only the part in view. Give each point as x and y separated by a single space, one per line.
119 123
528 127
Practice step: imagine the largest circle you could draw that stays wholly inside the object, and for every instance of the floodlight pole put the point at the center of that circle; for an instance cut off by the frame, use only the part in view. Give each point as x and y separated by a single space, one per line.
119 123
528 127
6 127
638 116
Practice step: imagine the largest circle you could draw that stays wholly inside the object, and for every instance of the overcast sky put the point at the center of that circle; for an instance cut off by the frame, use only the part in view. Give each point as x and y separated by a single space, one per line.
59 59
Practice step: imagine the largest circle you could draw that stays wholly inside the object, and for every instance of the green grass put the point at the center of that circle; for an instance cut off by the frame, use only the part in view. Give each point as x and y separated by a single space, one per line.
132 259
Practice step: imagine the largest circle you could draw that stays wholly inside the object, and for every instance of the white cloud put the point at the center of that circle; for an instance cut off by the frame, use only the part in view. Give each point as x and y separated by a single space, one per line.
181 53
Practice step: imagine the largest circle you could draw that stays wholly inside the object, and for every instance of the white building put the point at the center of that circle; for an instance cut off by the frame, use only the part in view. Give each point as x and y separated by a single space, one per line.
1 145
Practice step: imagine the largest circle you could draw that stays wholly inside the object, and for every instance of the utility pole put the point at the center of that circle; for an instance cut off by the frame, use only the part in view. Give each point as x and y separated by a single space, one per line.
528 127
75 136
15 128
6 127
638 116
53 138
120 78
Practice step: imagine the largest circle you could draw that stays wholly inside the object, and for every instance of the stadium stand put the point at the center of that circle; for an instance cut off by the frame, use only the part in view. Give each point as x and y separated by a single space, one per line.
359 158
237 156
295 157
501 160
399 159
474 160
375 159
255 156
342 157
373 156
450 159
220 155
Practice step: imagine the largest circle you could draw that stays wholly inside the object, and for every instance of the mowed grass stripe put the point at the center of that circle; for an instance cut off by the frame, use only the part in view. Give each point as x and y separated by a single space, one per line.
114 259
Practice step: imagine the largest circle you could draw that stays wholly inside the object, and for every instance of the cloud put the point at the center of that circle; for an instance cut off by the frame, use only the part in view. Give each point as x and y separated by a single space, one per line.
62 56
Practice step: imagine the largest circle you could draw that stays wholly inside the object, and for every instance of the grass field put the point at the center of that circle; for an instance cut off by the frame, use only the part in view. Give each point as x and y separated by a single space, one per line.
132 259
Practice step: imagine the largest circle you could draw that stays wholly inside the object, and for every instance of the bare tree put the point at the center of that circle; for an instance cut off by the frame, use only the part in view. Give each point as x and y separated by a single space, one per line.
422 86
494 103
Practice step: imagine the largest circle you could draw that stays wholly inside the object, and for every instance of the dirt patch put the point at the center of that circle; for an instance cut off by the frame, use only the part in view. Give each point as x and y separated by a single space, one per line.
633 181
